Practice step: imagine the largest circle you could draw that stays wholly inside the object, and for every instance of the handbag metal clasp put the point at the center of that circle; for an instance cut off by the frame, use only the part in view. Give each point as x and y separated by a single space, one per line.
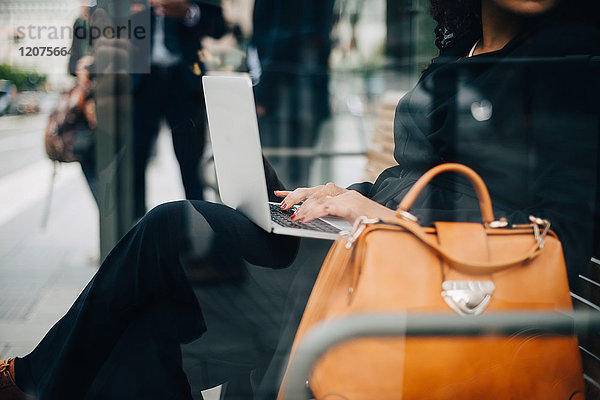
407 216
497 224
468 297
359 226
540 235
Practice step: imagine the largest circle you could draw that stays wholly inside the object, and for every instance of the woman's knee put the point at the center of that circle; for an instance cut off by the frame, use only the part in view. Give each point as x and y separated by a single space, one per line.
208 229
163 214
167 224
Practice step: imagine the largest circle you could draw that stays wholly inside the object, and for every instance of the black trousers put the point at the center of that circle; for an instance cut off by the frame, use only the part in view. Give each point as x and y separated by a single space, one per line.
168 93
121 338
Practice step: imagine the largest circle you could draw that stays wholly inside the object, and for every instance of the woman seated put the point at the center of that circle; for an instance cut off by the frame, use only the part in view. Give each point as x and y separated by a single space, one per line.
511 95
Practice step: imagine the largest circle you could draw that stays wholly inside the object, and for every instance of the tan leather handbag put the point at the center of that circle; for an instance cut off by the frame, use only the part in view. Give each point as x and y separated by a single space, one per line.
462 268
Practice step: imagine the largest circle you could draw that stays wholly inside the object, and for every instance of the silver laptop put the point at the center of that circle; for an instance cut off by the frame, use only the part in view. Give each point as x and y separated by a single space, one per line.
237 152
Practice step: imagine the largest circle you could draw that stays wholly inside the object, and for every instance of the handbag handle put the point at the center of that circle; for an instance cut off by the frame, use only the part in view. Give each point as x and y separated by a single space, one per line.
485 202
465 266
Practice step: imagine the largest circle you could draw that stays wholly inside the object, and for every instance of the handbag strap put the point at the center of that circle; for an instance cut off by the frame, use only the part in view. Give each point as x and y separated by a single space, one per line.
485 202
463 266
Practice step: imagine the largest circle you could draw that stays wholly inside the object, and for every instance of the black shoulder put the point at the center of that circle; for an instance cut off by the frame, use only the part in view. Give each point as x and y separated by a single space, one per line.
564 38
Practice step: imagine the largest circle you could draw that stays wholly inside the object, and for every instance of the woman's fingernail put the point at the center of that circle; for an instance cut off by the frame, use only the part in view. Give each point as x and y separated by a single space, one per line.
282 205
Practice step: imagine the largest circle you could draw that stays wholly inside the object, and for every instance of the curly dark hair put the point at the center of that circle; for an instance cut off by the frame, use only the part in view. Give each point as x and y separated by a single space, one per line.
455 18
462 18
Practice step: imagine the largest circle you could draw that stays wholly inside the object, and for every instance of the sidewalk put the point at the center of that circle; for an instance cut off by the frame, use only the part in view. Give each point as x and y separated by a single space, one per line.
43 270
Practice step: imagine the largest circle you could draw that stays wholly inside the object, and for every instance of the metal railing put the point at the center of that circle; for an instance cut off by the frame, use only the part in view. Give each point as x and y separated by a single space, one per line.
330 333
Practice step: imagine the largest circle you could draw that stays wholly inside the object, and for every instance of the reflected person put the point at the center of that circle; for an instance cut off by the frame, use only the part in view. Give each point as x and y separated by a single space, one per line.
172 90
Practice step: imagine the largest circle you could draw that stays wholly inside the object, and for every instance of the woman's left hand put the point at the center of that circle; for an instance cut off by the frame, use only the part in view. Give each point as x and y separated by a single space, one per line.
348 205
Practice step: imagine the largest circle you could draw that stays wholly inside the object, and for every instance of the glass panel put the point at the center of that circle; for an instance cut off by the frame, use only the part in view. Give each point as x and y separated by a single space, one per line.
111 176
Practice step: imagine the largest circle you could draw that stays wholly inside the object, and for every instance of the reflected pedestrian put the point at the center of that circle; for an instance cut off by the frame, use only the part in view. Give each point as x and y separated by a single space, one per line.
172 90
288 59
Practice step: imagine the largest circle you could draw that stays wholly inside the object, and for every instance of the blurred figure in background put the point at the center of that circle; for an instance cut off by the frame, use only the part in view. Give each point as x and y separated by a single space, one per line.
173 90
70 133
84 92
81 46
288 59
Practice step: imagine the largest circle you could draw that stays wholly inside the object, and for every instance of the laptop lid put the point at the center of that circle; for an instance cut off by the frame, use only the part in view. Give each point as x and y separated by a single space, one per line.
236 146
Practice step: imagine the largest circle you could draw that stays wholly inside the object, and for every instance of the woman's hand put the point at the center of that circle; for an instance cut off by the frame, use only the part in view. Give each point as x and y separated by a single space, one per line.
347 204
291 198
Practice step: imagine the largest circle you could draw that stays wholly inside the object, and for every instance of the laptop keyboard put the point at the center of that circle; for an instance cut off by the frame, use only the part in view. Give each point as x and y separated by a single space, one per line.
282 217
